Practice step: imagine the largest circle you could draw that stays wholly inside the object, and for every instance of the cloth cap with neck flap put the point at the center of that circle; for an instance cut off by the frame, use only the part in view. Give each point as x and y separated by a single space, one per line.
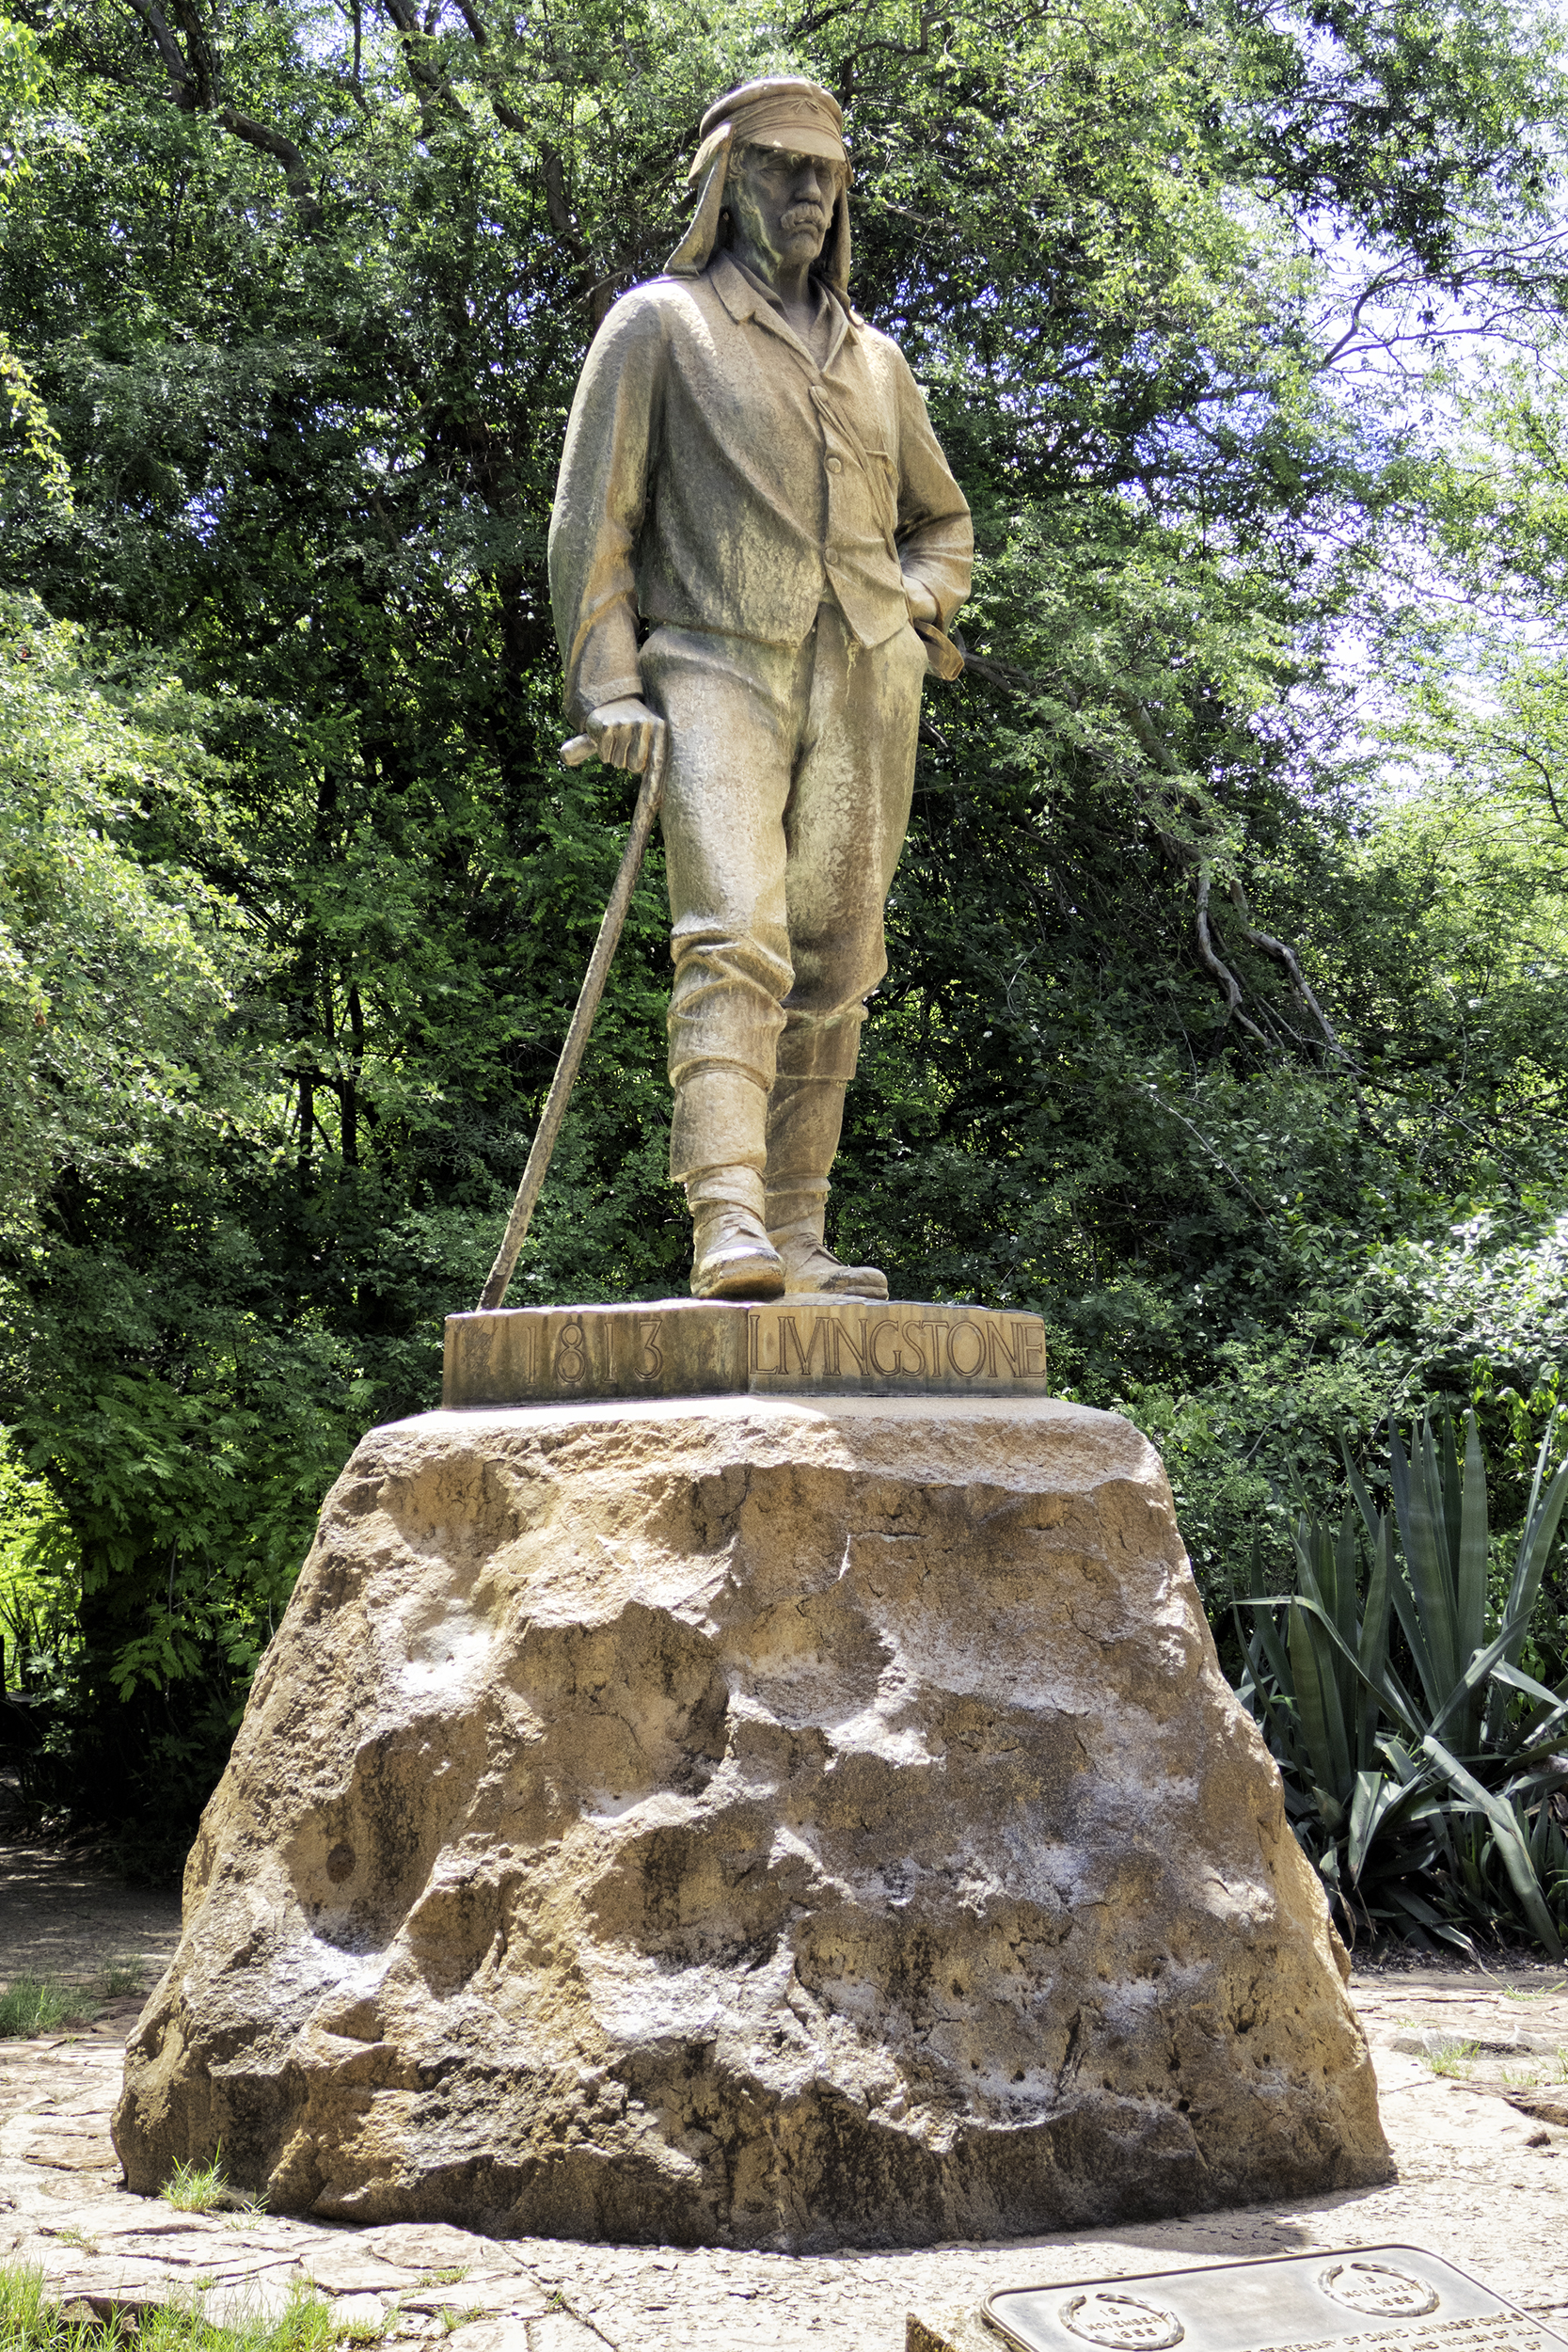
781 110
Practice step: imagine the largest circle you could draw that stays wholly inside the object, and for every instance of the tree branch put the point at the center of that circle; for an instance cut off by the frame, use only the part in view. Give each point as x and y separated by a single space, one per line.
296 171
1287 955
553 172
597 291
198 50
168 49
431 88
1229 985
196 85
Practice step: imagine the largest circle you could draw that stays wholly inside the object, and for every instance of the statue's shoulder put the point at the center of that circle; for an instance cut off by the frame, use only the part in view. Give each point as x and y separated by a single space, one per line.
647 318
880 351
662 300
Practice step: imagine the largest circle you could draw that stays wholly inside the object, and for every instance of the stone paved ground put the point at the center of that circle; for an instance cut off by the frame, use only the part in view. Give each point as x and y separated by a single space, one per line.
1478 2155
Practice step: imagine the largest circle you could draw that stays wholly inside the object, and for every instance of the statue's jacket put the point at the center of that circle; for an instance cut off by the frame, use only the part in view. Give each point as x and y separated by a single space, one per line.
715 478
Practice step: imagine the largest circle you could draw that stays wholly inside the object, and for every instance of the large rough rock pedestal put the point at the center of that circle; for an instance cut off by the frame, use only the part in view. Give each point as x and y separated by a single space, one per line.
766 1823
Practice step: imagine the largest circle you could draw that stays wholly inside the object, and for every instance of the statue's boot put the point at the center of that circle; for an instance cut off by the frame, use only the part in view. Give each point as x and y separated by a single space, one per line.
718 1145
731 1254
804 1117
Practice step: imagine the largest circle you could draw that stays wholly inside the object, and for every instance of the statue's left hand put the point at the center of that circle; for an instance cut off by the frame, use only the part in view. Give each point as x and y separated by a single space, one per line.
625 732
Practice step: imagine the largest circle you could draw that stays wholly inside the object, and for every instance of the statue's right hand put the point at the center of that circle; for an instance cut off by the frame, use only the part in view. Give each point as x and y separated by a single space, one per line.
623 733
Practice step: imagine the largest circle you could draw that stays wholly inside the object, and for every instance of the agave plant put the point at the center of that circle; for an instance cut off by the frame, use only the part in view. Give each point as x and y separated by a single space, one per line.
1413 1800
1375 1835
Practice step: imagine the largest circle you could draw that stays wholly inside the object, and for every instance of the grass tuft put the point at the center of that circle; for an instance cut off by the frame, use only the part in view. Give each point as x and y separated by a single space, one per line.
121 1976
30 2321
205 2188
35 2004
361 2331
1453 2058
197 2187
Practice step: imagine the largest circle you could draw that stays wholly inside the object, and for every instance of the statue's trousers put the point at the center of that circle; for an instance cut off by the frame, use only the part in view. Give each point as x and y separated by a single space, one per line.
784 811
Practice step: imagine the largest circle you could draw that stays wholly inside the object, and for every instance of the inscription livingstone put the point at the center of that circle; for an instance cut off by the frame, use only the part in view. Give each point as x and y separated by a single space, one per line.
797 1346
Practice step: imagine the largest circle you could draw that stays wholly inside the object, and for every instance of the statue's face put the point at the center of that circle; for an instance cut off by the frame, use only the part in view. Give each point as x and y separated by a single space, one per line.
782 204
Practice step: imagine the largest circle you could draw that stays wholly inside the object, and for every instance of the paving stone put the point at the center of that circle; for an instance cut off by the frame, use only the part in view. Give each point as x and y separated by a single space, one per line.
352 2270
106 2287
124 2218
427 2246
559 2331
521 2294
208 2254
73 2155
69 2188
490 2335
360 2314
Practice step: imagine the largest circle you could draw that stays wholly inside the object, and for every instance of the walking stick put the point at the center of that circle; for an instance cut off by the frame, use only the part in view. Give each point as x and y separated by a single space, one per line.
573 754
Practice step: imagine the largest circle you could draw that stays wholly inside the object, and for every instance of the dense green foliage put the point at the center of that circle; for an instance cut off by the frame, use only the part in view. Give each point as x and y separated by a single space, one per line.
1254 1085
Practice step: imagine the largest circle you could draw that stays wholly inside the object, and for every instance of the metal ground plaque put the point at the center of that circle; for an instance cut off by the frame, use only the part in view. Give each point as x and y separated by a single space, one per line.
1381 2298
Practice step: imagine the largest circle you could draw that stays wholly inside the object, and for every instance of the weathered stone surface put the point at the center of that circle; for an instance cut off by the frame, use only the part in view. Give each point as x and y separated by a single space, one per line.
431 2247
490 2335
514 2295
364 2315
558 2331
73 2153
349 2270
755 1822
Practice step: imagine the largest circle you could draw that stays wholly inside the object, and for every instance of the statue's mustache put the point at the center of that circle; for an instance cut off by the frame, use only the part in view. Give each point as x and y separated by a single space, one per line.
807 217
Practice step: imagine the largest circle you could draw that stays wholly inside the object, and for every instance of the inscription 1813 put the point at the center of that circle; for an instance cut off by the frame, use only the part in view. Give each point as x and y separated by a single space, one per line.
800 1346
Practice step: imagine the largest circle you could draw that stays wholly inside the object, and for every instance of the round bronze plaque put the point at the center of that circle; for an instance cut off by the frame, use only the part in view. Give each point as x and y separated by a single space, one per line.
1380 2290
1121 2321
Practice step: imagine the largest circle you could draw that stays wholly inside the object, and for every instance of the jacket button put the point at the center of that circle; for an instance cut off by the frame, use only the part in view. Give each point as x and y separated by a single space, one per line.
835 464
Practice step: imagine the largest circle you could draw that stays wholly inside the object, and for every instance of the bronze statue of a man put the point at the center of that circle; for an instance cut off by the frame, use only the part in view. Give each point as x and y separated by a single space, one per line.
750 471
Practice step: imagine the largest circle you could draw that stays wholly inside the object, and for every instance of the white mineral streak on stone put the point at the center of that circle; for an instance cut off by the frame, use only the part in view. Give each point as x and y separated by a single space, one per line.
751 1822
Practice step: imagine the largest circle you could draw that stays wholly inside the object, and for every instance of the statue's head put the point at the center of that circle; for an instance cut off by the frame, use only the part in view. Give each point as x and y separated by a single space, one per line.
772 155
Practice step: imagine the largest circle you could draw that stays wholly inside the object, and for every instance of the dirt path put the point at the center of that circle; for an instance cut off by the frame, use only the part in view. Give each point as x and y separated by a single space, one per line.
1481 2180
65 1917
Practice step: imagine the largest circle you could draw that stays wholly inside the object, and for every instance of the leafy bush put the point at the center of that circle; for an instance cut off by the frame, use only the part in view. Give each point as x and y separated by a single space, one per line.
1416 1754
